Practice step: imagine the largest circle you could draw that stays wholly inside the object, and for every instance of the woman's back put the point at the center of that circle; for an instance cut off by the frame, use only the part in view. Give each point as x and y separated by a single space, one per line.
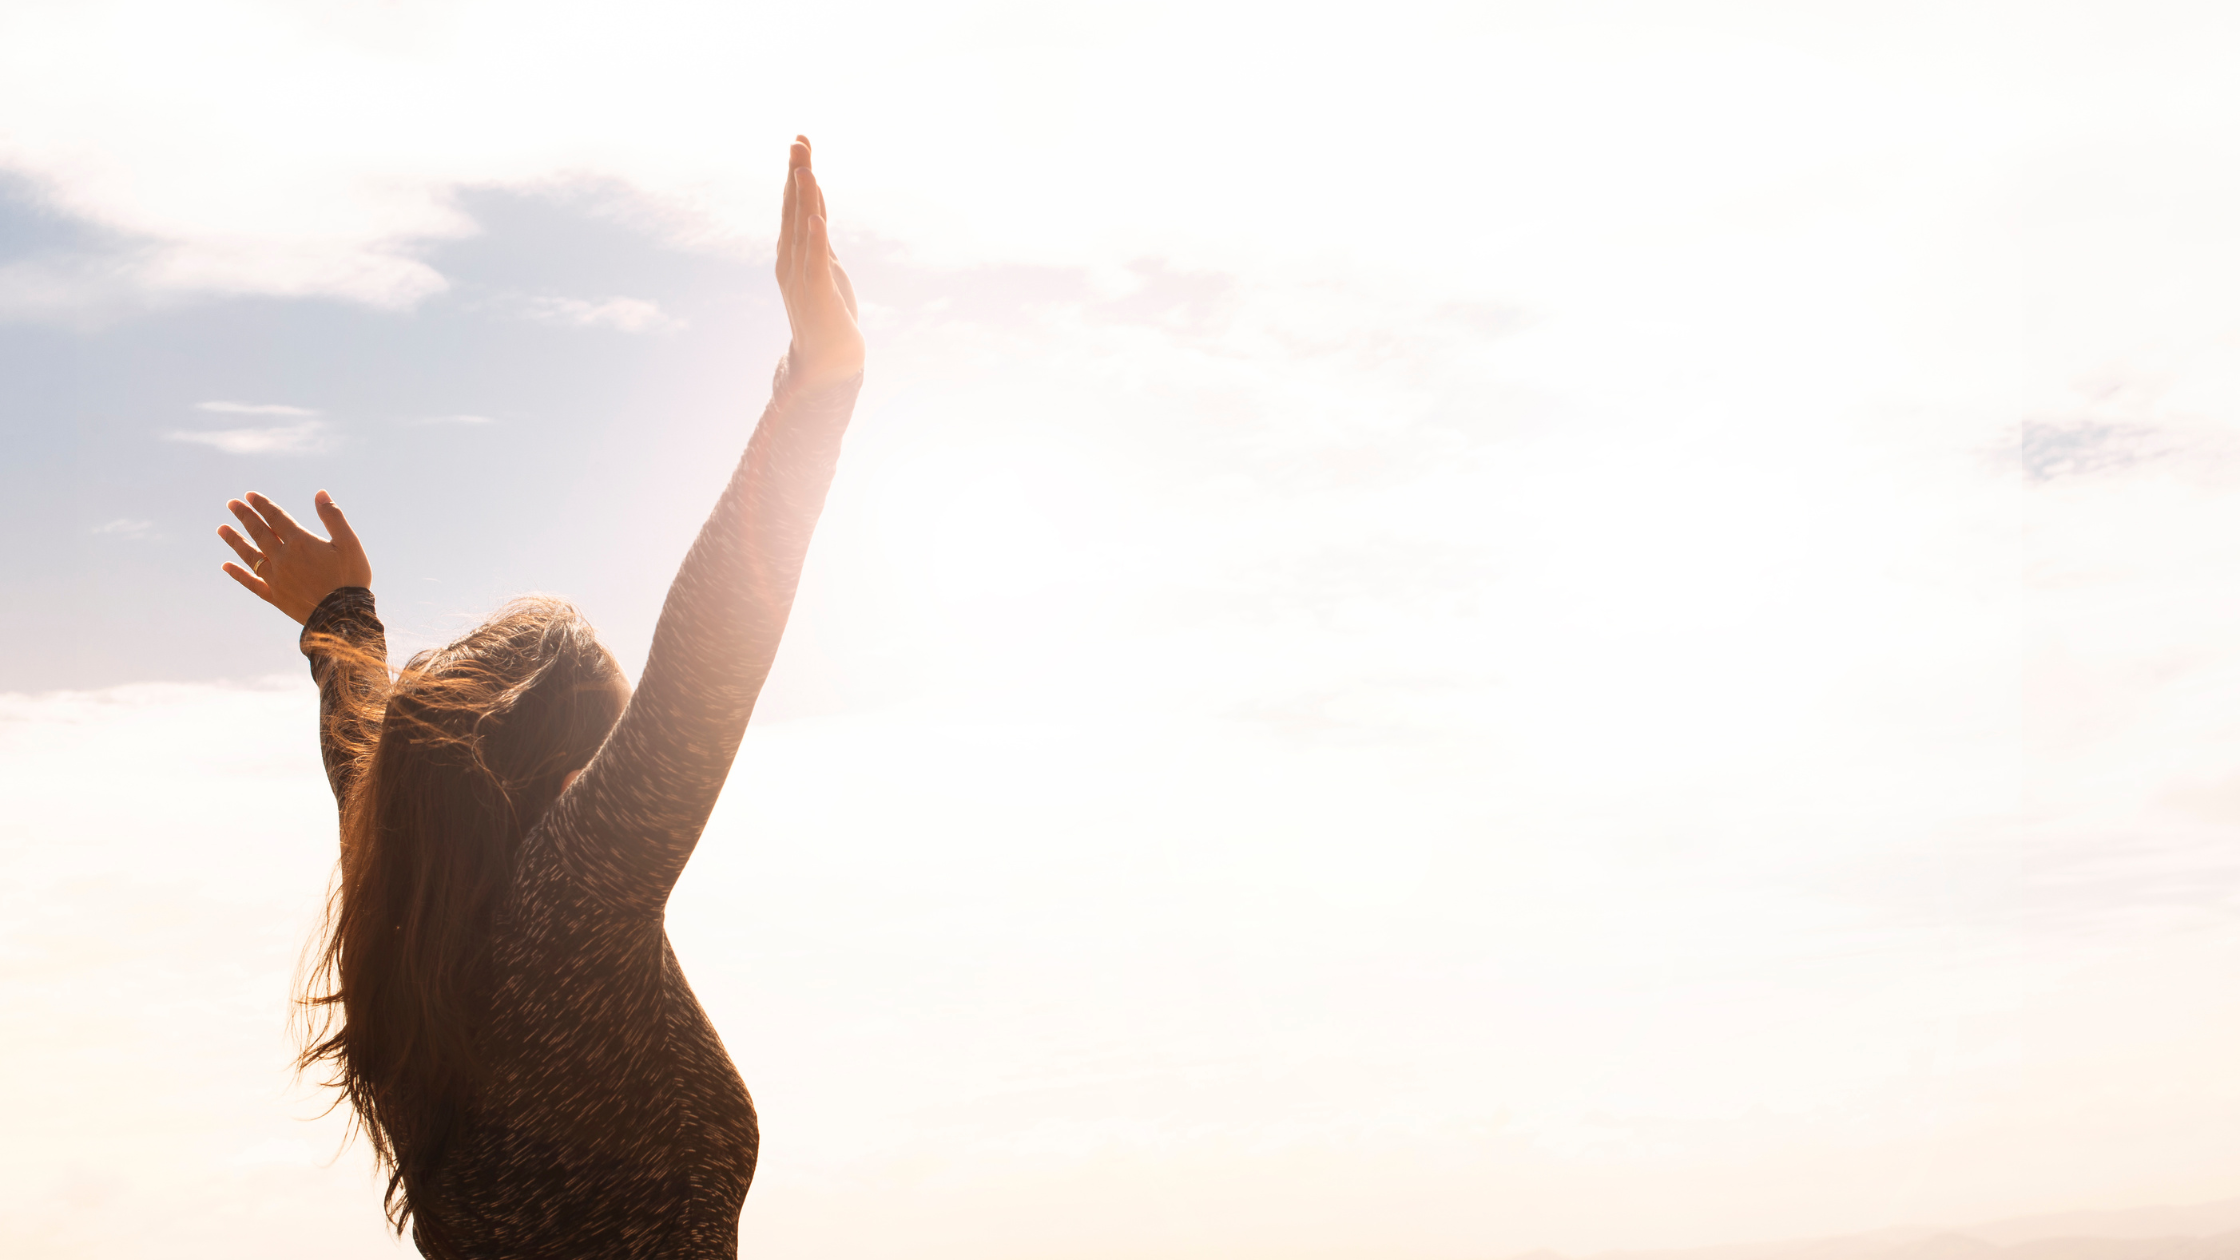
612 1122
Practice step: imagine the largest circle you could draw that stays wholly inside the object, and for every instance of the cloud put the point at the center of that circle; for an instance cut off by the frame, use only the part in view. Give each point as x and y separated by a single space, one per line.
126 527
289 439
462 418
341 196
623 314
306 435
2045 450
254 409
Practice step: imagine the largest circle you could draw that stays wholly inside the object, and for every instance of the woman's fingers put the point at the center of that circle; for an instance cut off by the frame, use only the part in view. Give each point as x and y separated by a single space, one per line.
266 540
282 524
338 525
803 245
789 217
811 247
256 585
820 299
286 565
801 166
824 274
785 227
249 555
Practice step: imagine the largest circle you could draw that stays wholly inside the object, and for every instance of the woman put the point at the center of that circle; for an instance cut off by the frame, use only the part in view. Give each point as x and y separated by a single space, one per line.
495 994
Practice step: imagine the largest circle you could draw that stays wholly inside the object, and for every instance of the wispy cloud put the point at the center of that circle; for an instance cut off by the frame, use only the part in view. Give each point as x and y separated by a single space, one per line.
2045 450
309 433
623 314
287 439
254 409
127 527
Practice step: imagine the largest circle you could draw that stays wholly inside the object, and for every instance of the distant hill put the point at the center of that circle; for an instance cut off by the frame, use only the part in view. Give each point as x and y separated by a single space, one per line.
2201 1231
2193 1220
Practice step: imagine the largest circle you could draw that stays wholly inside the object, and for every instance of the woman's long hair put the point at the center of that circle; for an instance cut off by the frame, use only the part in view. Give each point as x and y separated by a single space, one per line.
448 767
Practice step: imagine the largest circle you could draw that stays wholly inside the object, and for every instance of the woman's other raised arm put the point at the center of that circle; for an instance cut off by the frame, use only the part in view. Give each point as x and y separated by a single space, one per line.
324 585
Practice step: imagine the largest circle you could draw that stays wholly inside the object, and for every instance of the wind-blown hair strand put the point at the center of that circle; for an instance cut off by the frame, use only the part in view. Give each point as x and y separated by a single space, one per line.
446 768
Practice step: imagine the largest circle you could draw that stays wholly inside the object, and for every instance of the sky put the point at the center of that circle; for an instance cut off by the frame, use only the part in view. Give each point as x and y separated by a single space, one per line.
1445 629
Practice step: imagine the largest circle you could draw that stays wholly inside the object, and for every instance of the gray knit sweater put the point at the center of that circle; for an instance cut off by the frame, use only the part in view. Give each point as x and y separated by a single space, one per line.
613 1124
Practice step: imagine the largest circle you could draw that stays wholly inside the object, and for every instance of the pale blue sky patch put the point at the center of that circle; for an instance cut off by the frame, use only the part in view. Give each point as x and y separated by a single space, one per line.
272 379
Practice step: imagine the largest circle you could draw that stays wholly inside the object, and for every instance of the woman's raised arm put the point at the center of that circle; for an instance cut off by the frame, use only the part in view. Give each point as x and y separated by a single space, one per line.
630 822
324 585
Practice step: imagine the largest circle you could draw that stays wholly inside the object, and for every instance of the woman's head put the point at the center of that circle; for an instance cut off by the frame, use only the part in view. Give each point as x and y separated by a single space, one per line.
500 718
466 749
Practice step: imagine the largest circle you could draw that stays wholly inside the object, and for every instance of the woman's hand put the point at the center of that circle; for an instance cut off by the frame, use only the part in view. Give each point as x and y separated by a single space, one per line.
291 568
820 303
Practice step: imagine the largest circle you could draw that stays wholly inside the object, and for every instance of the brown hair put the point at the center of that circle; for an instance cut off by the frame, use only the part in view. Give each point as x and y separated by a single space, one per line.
449 766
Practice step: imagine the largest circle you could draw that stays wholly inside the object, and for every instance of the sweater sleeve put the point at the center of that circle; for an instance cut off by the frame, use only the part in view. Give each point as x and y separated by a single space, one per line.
630 822
347 649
